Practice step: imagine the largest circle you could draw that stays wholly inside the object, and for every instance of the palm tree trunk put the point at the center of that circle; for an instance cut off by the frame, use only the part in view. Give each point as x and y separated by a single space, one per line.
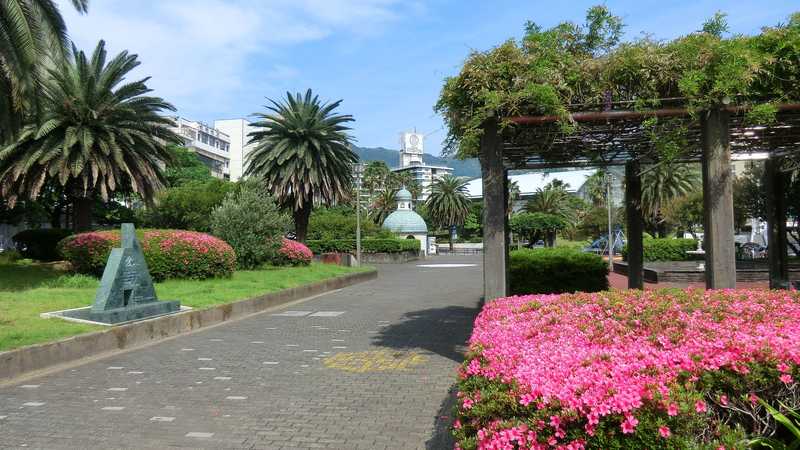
450 239
301 217
82 214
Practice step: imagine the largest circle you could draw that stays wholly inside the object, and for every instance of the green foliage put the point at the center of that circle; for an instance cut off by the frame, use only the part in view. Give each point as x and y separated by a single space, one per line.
40 244
537 225
338 223
302 152
367 245
556 270
169 253
33 30
72 281
98 134
185 167
448 203
686 212
661 185
666 249
187 206
252 223
590 64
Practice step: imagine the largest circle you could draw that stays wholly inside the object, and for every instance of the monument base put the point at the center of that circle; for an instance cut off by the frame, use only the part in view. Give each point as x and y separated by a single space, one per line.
119 315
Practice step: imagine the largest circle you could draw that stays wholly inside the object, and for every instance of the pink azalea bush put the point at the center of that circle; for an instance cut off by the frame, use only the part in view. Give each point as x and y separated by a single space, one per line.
293 253
169 253
628 369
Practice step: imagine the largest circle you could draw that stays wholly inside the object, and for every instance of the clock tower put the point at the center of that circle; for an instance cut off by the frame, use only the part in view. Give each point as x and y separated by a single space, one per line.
411 144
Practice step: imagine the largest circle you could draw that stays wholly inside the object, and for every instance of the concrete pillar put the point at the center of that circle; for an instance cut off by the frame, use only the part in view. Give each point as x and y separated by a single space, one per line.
635 226
495 231
718 201
775 183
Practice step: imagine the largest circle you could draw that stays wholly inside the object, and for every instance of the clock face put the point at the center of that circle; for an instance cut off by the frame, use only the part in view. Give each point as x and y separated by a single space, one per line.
413 140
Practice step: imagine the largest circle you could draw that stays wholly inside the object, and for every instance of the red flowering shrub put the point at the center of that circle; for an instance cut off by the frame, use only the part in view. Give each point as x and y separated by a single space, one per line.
629 370
169 253
293 253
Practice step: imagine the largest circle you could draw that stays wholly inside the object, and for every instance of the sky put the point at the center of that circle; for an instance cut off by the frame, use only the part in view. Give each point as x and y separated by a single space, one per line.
386 59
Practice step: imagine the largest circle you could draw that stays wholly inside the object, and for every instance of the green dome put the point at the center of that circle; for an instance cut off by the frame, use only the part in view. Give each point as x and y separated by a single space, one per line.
403 195
405 221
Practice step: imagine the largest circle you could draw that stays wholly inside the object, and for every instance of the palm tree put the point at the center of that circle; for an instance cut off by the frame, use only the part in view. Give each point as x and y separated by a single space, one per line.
31 31
553 199
663 183
448 204
596 188
375 175
513 196
383 204
302 151
97 135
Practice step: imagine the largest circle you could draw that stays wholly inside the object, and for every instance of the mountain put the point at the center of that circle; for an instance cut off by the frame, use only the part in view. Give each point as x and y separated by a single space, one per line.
461 167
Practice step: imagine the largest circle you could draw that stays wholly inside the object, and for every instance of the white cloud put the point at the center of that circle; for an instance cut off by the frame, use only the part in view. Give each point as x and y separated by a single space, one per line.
198 51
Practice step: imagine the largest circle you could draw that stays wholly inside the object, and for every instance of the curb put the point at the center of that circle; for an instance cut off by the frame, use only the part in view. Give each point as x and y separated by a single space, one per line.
22 361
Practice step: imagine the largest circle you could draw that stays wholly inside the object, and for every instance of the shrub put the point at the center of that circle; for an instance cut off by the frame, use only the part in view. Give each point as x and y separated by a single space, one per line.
40 244
338 223
665 249
169 253
293 253
367 245
556 270
187 207
629 370
251 222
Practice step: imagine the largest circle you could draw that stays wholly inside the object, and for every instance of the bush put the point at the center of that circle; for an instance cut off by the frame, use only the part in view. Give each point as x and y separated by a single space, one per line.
338 223
169 253
665 249
251 222
40 244
293 253
629 370
556 270
187 207
367 245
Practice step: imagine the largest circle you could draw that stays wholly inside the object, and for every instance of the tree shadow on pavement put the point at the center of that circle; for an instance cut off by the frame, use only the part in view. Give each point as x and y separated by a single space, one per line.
443 331
442 438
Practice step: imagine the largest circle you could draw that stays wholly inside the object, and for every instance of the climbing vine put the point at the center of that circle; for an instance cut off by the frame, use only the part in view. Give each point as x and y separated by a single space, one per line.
588 66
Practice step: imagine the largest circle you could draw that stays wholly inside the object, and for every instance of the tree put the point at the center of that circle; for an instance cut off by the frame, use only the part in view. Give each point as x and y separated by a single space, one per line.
185 167
533 226
553 199
448 204
32 31
375 176
188 206
660 185
96 136
382 205
686 212
596 188
302 151
513 196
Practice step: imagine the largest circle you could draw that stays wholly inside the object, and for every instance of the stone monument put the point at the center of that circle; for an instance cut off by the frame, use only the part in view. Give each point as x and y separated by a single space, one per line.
126 290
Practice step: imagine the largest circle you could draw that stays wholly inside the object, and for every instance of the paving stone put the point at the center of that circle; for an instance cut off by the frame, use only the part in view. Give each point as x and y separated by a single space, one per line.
264 396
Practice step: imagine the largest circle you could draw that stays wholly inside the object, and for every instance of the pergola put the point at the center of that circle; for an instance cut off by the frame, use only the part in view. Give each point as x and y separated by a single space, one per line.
617 134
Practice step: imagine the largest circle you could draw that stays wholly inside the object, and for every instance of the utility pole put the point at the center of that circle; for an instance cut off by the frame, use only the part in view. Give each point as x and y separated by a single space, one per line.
610 240
359 174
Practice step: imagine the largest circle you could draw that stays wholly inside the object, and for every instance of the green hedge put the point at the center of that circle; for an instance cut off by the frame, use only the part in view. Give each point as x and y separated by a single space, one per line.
555 271
666 249
367 245
40 244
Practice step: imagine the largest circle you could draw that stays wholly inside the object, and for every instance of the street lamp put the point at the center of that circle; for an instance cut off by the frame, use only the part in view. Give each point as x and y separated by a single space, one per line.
359 172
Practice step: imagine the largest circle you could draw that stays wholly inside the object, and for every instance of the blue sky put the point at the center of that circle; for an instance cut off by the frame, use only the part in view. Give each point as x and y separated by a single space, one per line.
386 58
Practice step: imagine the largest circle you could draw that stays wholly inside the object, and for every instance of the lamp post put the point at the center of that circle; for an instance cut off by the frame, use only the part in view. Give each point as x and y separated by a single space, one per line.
610 239
359 172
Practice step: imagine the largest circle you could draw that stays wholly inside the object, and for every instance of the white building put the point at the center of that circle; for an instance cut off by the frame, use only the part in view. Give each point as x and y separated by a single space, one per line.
411 161
212 146
237 130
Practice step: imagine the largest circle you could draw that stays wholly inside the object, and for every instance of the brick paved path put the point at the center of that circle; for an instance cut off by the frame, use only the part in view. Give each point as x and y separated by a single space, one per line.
366 367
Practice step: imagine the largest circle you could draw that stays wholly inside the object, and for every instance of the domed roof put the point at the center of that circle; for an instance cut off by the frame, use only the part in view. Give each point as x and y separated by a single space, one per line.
405 221
403 195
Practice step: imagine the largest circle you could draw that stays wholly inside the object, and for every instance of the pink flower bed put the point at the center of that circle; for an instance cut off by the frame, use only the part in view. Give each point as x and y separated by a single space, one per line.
294 253
626 369
169 253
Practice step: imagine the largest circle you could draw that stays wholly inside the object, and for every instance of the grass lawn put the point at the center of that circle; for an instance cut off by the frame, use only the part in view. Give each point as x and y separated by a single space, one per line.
26 290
